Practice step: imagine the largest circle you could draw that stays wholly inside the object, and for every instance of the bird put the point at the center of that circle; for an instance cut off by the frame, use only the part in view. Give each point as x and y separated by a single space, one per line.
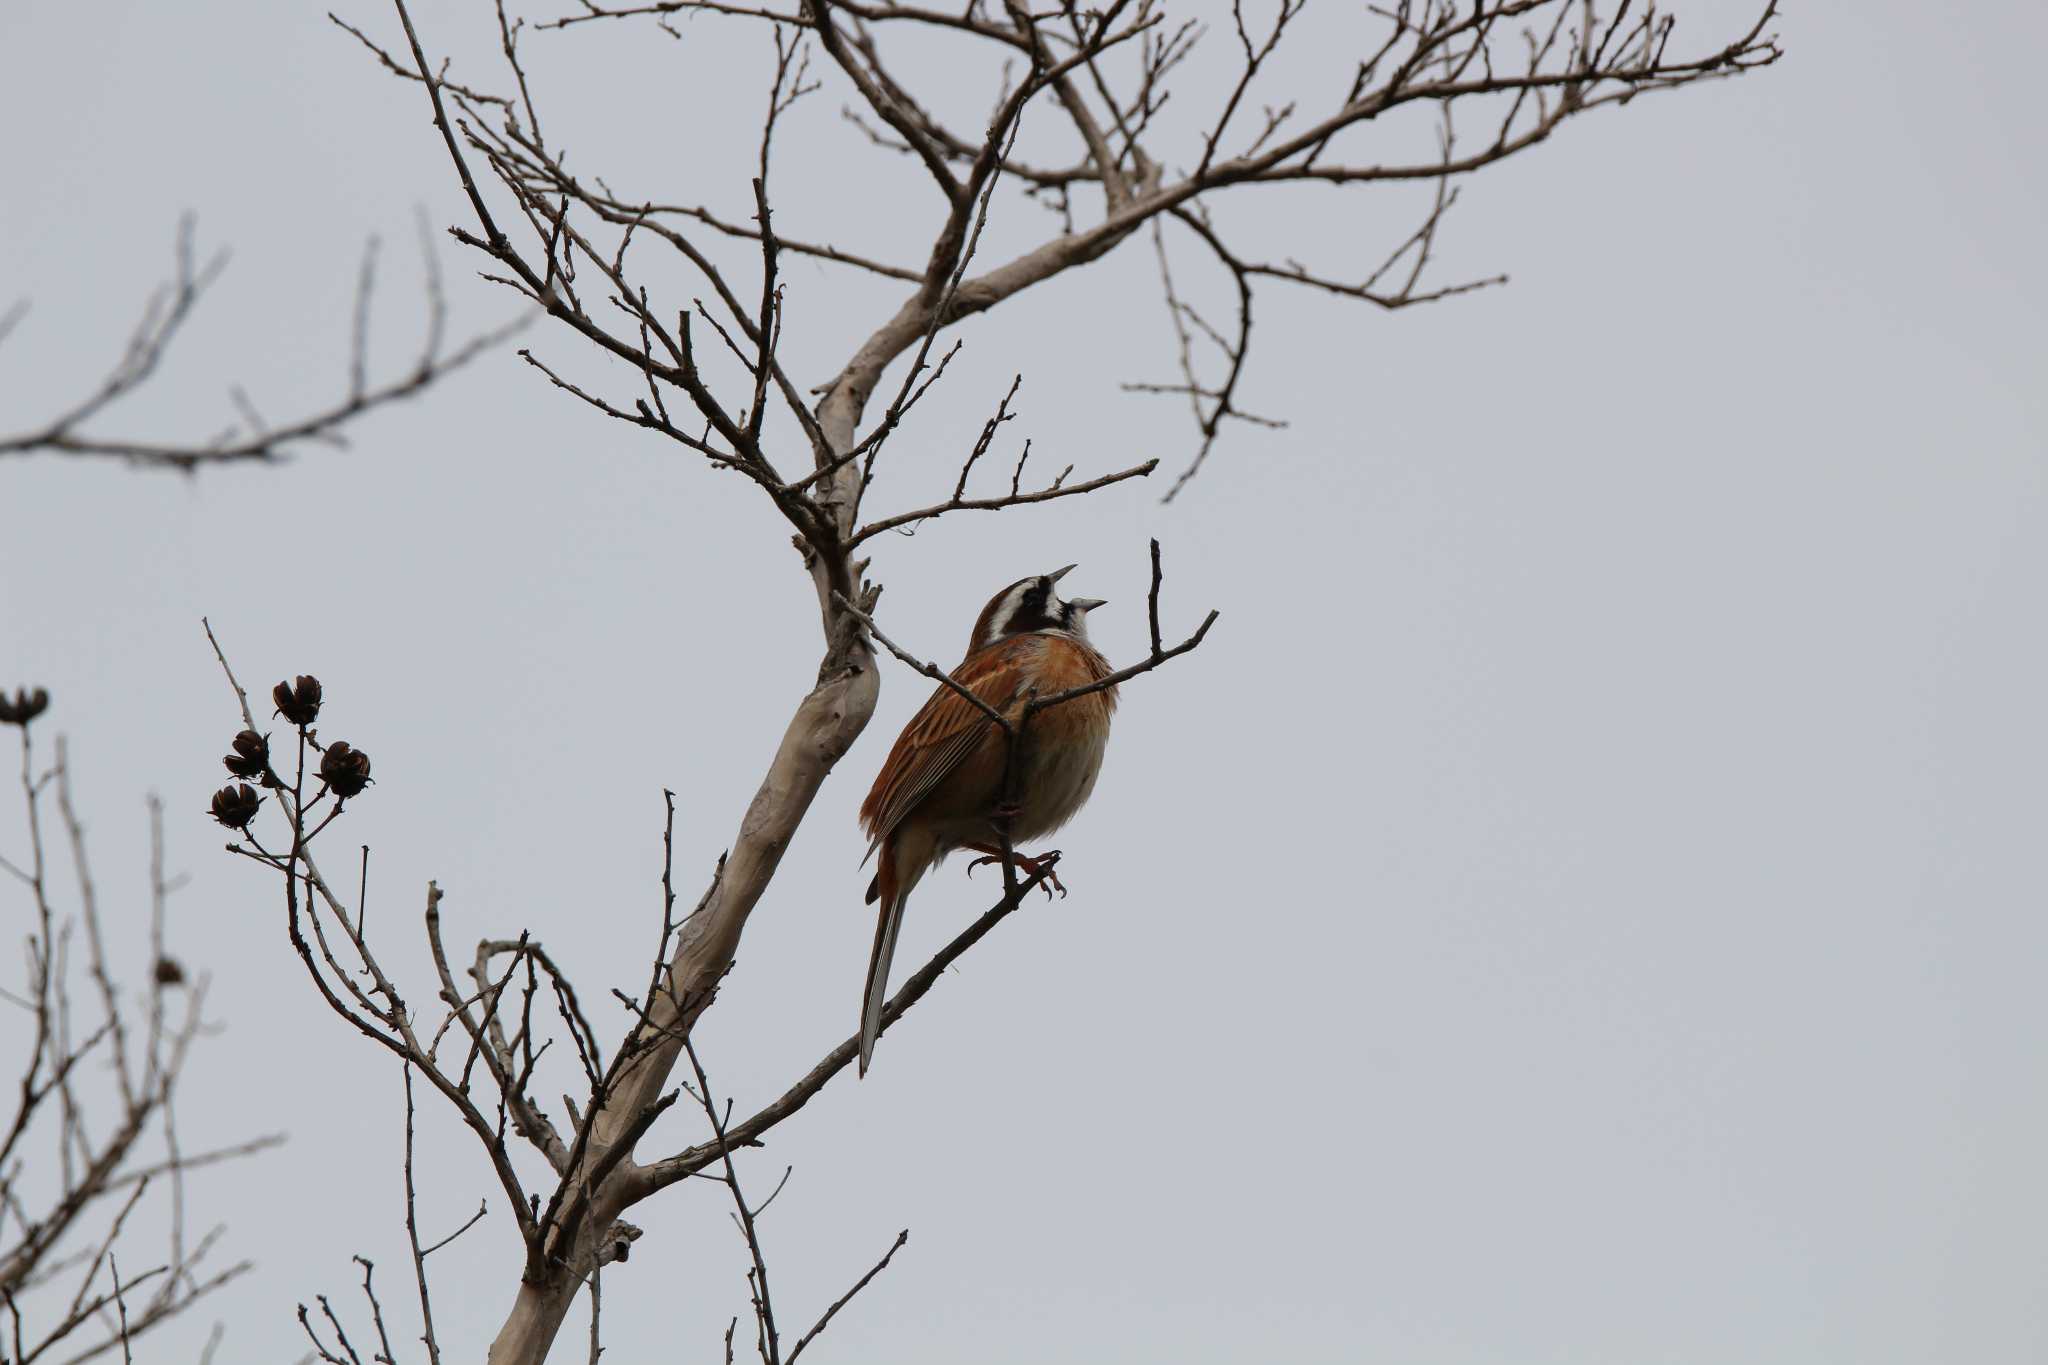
942 786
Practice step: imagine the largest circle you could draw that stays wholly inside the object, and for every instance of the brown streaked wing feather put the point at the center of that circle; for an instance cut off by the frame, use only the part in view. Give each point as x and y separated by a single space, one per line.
942 734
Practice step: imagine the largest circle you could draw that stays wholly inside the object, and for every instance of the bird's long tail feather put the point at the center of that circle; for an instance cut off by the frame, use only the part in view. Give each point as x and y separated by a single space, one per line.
900 870
890 920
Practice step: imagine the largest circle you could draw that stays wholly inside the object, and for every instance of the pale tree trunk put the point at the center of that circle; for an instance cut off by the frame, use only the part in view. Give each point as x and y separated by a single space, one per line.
827 722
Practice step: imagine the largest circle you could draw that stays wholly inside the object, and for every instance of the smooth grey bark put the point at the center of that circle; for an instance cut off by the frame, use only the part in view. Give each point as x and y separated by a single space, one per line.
826 723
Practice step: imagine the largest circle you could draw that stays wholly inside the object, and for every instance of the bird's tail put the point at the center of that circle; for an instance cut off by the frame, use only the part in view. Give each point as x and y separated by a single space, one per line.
901 869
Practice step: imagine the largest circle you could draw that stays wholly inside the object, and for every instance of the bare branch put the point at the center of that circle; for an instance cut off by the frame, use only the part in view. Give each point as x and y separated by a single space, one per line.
139 1043
846 1298
958 503
769 1340
251 439
412 1234
686 1163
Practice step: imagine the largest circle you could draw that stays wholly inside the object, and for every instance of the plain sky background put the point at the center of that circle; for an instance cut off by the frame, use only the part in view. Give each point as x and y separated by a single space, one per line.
1584 904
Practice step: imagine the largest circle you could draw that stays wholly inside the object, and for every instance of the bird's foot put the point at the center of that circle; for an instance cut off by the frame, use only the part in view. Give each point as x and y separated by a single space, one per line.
1040 865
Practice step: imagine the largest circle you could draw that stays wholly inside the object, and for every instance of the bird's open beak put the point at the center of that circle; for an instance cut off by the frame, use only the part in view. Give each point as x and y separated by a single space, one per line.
1084 605
1057 574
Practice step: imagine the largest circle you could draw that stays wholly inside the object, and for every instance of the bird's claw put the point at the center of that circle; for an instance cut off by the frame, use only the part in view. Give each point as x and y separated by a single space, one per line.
1040 866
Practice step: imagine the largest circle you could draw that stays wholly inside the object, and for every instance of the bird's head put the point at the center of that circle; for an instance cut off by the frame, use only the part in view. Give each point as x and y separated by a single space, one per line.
1030 604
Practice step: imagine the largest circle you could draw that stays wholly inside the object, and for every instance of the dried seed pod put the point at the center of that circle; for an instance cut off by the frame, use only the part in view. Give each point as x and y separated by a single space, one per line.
345 770
298 703
251 755
235 805
24 706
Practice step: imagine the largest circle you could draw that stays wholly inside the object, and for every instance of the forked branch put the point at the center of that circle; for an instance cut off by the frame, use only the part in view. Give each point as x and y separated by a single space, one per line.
251 437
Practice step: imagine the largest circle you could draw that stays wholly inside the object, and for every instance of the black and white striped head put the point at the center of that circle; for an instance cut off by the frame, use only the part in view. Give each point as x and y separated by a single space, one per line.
1030 604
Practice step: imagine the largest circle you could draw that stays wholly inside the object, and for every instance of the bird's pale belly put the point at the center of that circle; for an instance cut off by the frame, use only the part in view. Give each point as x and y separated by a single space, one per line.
1057 781
1060 769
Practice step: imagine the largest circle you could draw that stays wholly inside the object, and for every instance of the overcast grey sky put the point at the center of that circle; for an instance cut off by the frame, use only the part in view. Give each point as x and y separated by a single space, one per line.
1585 902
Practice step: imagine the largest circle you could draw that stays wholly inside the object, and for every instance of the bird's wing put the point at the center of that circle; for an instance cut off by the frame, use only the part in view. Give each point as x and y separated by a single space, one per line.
946 729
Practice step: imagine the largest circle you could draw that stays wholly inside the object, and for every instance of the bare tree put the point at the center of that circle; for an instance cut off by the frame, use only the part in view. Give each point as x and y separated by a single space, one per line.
250 437
92 1150
709 376
90 1156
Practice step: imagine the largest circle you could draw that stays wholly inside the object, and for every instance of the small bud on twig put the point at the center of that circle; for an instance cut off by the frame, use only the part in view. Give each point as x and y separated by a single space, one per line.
169 973
345 770
251 755
235 805
24 706
298 704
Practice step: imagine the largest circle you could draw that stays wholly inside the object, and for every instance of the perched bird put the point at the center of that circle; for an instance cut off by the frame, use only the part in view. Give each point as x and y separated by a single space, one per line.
941 788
